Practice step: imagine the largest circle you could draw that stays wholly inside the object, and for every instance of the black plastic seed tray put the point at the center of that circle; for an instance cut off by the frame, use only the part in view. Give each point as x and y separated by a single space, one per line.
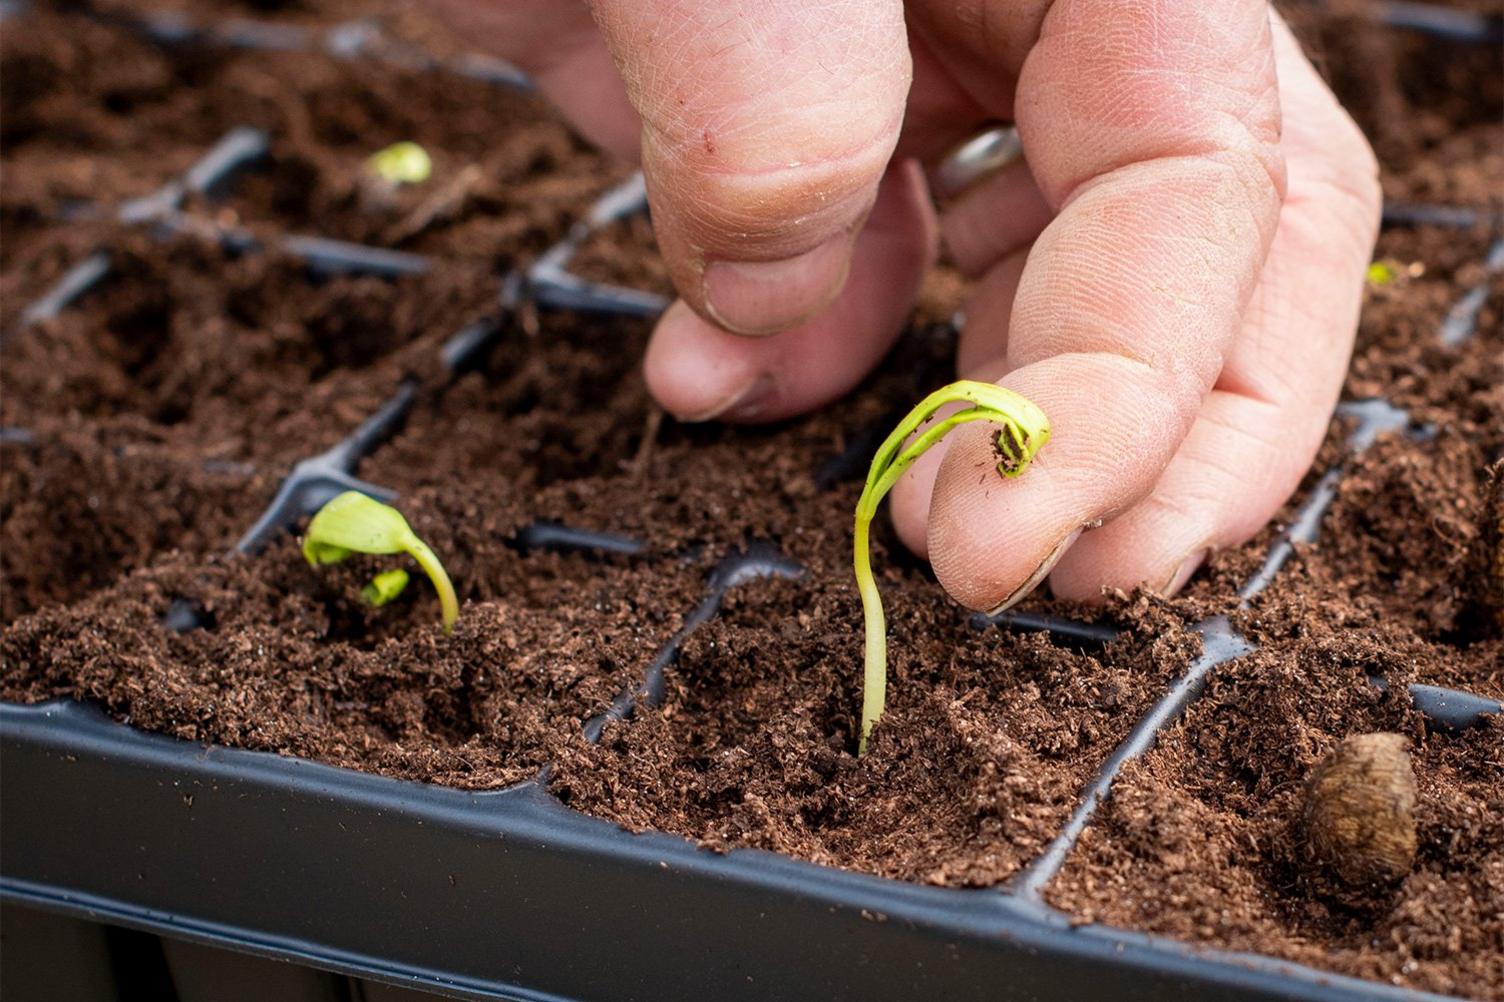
1464 26
240 149
237 150
362 38
512 895
509 895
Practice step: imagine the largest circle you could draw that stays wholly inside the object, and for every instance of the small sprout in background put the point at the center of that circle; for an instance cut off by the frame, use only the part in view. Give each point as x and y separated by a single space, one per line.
354 523
384 587
1388 271
387 171
401 163
1360 810
1024 431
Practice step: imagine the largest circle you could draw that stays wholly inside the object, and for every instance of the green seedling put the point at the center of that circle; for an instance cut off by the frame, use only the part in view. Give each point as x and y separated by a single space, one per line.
354 523
401 163
1024 431
1388 271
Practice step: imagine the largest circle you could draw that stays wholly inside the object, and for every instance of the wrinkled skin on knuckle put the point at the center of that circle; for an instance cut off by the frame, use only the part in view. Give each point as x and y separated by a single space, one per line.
744 87
1187 276
765 125
764 215
1171 85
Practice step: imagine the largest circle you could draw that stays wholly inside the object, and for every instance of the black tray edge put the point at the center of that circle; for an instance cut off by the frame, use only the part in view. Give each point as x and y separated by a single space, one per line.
412 884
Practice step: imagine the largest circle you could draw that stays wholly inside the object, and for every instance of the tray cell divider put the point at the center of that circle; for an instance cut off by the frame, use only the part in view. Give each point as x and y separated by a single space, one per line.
240 148
551 283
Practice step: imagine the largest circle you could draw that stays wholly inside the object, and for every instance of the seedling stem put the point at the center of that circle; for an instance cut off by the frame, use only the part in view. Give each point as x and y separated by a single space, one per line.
1024 431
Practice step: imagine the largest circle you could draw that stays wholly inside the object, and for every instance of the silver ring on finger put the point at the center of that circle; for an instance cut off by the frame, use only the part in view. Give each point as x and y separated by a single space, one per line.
977 158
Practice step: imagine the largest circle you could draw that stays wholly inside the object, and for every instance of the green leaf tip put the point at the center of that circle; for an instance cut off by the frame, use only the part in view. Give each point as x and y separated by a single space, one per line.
1023 431
384 587
401 163
355 523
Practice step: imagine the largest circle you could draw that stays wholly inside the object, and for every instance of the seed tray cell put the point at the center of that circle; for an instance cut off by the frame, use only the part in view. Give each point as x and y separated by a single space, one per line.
210 175
139 500
161 213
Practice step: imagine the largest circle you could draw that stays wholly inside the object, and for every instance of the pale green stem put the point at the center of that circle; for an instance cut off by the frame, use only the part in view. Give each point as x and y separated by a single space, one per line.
875 656
1029 428
448 603
875 650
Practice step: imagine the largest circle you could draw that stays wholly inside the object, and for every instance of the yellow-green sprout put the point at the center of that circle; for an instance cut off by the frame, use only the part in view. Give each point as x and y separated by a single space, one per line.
1388 271
1381 273
384 587
1024 431
401 163
354 523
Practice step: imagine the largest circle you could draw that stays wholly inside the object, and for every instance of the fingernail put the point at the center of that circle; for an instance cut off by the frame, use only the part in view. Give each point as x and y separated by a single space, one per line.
1040 573
765 297
1183 573
743 404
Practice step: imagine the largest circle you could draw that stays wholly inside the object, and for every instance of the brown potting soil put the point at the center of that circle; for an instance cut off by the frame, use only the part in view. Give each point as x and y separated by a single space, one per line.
161 411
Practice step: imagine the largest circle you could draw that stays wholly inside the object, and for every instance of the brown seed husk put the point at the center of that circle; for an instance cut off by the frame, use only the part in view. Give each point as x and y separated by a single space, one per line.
1360 810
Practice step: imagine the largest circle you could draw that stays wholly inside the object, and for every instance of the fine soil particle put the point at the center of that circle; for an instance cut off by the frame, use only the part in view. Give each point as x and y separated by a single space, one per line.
147 426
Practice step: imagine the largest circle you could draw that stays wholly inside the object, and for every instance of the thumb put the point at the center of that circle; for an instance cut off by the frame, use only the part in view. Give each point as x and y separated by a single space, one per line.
766 127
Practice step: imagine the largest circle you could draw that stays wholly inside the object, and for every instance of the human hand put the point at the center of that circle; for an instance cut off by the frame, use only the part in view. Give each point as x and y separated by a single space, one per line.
1173 275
